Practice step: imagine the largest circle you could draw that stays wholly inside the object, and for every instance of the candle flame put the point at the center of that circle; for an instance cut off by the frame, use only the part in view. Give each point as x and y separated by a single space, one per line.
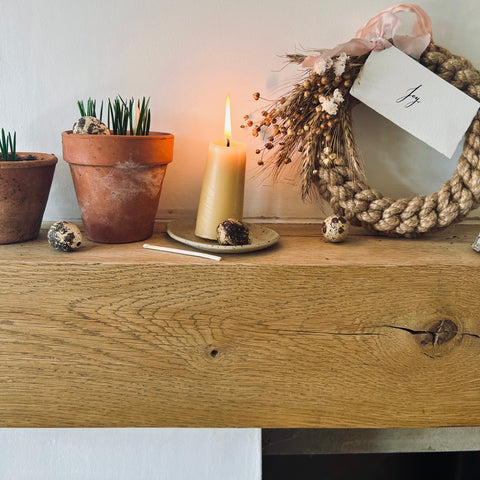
228 120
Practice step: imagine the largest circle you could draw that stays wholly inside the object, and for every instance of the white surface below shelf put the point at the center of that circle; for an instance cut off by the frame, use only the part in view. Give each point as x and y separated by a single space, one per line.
130 453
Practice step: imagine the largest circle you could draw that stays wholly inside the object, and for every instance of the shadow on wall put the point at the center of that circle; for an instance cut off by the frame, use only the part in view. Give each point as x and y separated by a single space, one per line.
397 163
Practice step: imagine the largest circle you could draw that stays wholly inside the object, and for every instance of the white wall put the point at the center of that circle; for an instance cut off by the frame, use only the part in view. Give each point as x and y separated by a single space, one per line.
186 55
129 454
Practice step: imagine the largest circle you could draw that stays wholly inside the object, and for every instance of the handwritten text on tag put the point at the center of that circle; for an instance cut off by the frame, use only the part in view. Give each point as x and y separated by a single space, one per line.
414 98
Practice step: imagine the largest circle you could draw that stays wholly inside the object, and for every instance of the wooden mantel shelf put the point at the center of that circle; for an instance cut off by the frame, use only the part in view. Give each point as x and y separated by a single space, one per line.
375 332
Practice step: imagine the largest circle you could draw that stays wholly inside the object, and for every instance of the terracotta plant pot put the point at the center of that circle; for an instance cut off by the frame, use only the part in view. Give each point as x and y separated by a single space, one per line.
24 189
118 180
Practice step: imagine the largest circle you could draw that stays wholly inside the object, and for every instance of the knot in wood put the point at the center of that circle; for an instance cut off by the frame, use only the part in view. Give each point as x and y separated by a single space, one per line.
438 339
440 332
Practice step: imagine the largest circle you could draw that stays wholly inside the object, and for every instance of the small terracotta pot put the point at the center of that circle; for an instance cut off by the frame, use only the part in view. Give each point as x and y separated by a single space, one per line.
24 189
118 180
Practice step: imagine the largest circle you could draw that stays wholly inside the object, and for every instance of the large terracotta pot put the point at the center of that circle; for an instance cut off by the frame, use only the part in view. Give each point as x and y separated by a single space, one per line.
24 189
118 180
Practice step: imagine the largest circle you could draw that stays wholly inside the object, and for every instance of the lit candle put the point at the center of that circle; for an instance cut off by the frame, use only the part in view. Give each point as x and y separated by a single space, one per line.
221 196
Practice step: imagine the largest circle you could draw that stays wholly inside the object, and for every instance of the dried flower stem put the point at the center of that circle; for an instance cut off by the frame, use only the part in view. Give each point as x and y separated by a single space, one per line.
312 123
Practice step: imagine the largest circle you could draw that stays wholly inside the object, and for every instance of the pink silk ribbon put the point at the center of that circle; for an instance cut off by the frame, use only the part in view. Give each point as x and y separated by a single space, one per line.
373 36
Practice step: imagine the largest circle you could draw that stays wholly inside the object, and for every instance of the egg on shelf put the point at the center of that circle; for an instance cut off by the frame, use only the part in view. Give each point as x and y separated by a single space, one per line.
335 229
476 244
233 232
65 236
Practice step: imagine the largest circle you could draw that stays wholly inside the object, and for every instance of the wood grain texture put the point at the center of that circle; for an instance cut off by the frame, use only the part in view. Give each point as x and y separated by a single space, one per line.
305 334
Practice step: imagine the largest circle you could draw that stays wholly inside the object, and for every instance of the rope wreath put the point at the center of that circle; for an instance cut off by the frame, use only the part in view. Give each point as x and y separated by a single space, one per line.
408 217
314 123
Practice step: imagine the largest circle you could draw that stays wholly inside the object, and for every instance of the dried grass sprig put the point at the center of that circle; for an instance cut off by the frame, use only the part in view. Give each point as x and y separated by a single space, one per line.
312 124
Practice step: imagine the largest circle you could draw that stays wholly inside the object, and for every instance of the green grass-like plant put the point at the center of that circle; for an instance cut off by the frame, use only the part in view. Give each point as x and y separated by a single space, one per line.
90 111
8 146
124 118
124 115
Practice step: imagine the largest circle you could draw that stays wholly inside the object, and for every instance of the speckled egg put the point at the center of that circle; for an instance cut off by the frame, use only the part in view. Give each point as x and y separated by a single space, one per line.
233 232
335 229
90 125
64 236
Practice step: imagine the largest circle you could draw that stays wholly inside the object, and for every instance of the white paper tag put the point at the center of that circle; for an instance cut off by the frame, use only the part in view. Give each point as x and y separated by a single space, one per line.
414 98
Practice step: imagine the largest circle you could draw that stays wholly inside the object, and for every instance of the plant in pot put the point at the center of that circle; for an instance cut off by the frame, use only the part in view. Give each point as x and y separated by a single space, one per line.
117 173
25 181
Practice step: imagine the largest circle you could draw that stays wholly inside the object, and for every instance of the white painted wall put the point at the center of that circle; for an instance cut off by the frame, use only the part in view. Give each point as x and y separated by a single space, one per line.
127 454
186 55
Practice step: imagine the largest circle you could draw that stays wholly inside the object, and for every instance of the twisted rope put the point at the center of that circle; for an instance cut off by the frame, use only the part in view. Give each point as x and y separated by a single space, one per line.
351 197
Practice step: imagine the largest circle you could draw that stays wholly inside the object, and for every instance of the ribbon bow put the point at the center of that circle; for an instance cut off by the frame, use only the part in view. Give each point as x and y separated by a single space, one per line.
373 36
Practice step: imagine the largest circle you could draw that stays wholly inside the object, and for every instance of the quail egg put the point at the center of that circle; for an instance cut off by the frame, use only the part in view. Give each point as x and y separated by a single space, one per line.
335 229
90 125
64 236
233 232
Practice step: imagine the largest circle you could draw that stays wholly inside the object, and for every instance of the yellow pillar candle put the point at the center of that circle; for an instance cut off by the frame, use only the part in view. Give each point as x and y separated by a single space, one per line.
223 185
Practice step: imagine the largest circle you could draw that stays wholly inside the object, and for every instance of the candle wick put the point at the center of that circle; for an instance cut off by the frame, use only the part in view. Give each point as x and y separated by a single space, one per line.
228 142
